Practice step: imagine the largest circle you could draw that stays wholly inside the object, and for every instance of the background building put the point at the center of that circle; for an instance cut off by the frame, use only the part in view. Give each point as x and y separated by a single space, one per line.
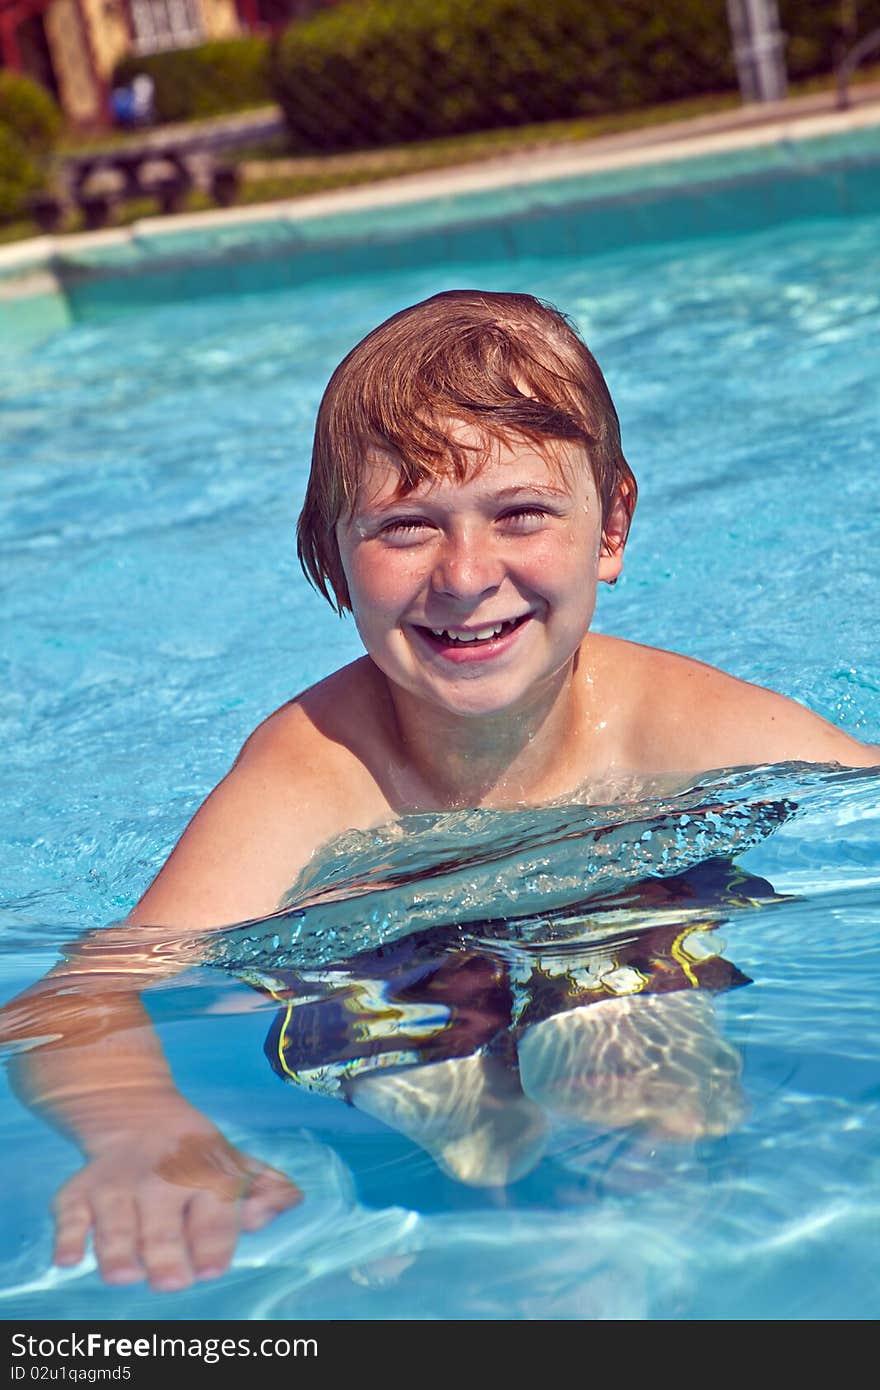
71 46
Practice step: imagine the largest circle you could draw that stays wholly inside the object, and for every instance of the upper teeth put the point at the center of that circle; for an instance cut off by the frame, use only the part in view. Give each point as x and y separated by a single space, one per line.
477 634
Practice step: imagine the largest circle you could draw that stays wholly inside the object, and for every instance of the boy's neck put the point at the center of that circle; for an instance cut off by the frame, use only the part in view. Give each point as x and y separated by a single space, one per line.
526 755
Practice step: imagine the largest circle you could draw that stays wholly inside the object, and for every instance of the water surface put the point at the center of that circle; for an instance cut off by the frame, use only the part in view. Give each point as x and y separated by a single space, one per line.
153 471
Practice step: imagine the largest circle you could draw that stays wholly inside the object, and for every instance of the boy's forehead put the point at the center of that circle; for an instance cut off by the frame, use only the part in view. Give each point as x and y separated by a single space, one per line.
496 462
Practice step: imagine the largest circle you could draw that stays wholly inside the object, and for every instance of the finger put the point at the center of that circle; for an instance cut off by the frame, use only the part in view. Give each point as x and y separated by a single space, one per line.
269 1193
115 1236
211 1230
162 1242
73 1220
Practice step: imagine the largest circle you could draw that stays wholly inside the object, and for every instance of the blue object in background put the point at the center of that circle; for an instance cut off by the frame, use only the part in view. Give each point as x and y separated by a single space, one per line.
134 105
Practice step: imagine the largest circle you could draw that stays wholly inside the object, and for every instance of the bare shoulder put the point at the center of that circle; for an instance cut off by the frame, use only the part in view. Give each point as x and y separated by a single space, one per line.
684 715
320 730
299 780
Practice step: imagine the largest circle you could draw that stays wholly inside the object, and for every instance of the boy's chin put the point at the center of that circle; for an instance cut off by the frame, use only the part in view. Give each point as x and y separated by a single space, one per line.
483 697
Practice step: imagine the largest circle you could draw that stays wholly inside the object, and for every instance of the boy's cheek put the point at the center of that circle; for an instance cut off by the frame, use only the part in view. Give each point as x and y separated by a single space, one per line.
386 582
560 572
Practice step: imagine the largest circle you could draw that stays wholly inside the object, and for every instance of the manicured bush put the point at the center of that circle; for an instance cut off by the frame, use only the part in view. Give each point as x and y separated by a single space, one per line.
29 111
817 34
20 176
377 72
30 123
394 70
228 75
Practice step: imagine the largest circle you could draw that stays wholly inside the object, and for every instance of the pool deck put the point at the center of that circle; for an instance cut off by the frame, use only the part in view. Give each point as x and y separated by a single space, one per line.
810 117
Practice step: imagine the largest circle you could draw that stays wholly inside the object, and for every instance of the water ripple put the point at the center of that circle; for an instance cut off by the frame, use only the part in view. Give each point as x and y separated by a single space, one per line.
487 866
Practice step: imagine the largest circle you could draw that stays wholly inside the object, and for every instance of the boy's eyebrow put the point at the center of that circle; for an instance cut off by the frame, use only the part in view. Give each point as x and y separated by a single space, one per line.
536 489
503 494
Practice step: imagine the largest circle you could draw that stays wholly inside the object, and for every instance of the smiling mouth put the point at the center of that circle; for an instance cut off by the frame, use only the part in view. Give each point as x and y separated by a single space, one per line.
472 637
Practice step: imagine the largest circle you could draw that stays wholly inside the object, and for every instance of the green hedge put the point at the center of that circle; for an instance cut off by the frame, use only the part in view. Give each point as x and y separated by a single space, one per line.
392 70
818 33
29 110
214 78
30 123
375 72
20 176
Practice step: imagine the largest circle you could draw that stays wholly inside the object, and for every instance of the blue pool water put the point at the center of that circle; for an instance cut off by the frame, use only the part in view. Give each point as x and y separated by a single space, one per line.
153 469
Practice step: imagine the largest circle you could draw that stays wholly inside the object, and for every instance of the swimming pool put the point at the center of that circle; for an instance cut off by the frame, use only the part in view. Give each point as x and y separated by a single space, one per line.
155 466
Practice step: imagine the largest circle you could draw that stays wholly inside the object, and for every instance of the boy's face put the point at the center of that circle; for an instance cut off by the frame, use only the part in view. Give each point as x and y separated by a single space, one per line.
473 595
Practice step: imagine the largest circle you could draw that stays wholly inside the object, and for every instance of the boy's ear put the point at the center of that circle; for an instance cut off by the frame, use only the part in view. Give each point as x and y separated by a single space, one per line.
615 532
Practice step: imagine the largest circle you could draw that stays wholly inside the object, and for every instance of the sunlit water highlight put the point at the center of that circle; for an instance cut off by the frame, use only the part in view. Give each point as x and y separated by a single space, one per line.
146 510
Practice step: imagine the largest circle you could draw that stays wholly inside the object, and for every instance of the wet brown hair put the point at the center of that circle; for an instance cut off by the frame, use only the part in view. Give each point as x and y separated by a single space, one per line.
504 364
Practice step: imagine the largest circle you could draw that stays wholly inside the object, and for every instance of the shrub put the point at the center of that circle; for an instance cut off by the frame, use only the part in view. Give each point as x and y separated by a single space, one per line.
29 111
228 75
20 176
818 34
30 123
377 72
395 70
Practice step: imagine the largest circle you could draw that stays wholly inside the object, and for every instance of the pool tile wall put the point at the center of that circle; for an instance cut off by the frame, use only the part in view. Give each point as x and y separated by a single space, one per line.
587 215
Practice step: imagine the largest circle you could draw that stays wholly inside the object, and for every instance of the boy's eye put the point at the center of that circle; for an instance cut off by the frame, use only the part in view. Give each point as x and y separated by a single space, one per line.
404 527
524 518
415 528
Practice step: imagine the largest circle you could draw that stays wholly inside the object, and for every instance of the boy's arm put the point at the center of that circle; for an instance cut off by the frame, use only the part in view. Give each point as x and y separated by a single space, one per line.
283 798
162 1191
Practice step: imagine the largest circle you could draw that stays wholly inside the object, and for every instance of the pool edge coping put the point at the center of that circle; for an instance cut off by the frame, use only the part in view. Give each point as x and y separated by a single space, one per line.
26 268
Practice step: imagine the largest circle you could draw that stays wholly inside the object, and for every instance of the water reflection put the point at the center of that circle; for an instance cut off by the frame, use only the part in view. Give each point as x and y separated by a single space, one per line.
473 1045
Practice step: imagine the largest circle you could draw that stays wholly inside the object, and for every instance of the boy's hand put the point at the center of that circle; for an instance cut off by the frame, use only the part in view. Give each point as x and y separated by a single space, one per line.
167 1205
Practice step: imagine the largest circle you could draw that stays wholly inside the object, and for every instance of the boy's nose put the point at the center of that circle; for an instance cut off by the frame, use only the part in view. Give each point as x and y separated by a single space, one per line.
467 567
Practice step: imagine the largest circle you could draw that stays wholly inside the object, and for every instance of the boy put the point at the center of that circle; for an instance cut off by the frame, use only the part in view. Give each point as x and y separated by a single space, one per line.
468 494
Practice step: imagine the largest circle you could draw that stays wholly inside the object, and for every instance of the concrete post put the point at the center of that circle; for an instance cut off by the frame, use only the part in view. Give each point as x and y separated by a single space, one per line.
758 49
